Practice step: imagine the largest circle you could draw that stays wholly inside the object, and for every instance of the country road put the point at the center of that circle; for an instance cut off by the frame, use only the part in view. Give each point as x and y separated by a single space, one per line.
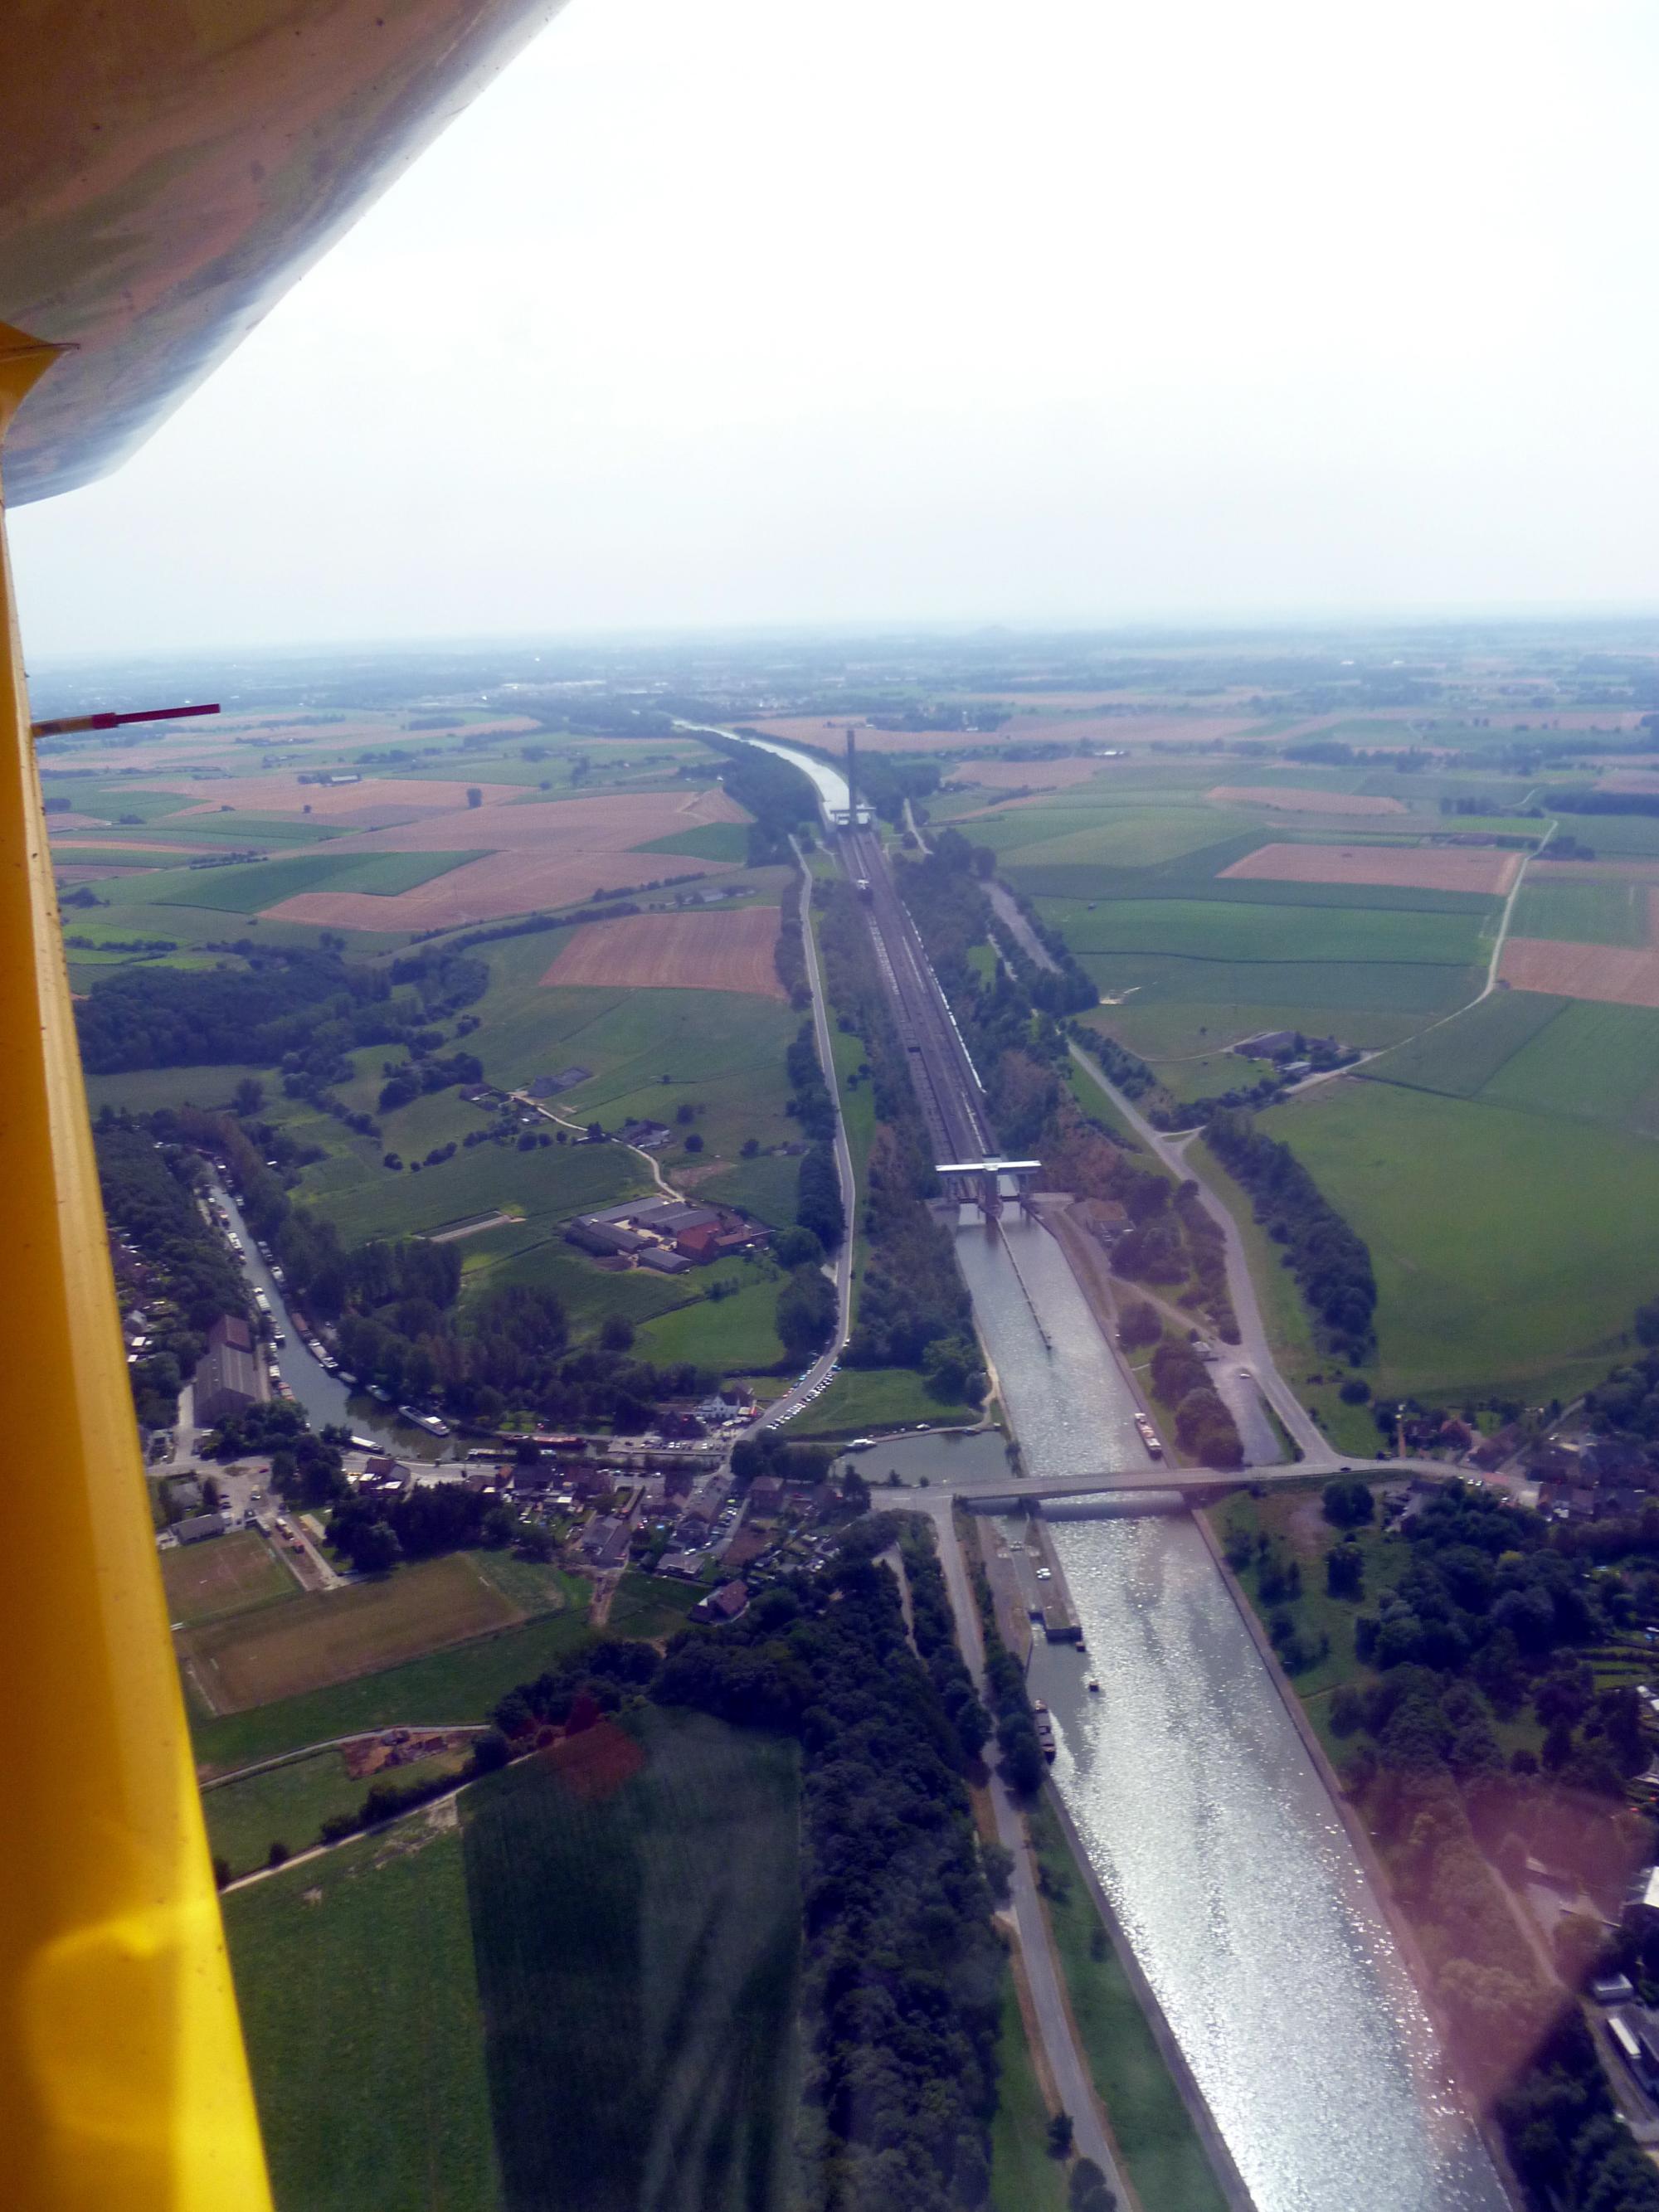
819 1370
1059 2046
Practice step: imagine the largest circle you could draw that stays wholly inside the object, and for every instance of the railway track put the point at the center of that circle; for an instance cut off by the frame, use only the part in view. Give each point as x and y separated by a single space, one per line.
946 1082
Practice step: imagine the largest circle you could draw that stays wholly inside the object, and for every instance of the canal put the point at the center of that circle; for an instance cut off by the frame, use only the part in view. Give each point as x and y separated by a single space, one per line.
1201 1813
322 1397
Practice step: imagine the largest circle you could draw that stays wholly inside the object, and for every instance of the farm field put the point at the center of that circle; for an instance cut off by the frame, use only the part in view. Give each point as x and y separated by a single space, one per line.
1066 833
1301 798
535 1253
1217 930
553 1182
1509 1252
634 1899
1027 775
1583 912
458 1684
227 1574
1618 974
547 852
1596 1063
732 1334
1428 867
253 888
289 1804
686 952
360 2003
1331 994
325 1636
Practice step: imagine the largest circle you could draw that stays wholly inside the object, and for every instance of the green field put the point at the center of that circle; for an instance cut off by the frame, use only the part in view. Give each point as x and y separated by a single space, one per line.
1560 1056
360 2006
1059 834
535 1253
1165 2160
766 1187
1594 912
250 889
1324 991
1161 1029
554 1182
458 1685
635 1913
732 1334
709 840
1218 930
649 1607
863 1398
1511 1248
289 1804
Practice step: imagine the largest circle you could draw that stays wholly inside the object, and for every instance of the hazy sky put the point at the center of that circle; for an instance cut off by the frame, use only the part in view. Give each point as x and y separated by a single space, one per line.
731 311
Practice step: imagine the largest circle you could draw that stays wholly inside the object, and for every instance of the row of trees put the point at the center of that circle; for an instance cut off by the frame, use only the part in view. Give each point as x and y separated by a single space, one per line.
1330 1259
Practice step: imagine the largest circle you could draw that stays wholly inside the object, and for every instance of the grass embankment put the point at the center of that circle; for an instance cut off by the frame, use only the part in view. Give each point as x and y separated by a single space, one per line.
360 2005
635 1907
1024 2176
1165 2160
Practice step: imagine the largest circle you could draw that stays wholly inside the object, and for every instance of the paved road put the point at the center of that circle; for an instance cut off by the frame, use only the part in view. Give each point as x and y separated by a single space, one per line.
1252 1350
820 1370
1065 2062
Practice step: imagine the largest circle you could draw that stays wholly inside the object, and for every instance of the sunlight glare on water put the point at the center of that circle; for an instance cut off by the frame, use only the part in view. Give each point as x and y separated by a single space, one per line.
1240 1894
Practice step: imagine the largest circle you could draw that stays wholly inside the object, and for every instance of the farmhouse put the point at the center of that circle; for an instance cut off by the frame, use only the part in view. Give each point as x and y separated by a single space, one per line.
605 1543
667 1234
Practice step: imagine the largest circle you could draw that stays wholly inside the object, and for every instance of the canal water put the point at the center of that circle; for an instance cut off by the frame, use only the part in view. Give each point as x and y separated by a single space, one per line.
322 1397
1202 1814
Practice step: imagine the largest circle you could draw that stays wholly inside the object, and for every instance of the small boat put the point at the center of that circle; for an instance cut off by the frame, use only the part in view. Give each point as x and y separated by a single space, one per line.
1094 1686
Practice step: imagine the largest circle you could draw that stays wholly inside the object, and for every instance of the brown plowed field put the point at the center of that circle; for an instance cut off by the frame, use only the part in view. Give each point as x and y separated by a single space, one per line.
1406 867
1618 974
1293 798
324 1637
675 952
550 853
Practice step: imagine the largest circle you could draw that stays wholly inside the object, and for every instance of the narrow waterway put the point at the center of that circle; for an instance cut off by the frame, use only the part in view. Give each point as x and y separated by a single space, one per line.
322 1396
